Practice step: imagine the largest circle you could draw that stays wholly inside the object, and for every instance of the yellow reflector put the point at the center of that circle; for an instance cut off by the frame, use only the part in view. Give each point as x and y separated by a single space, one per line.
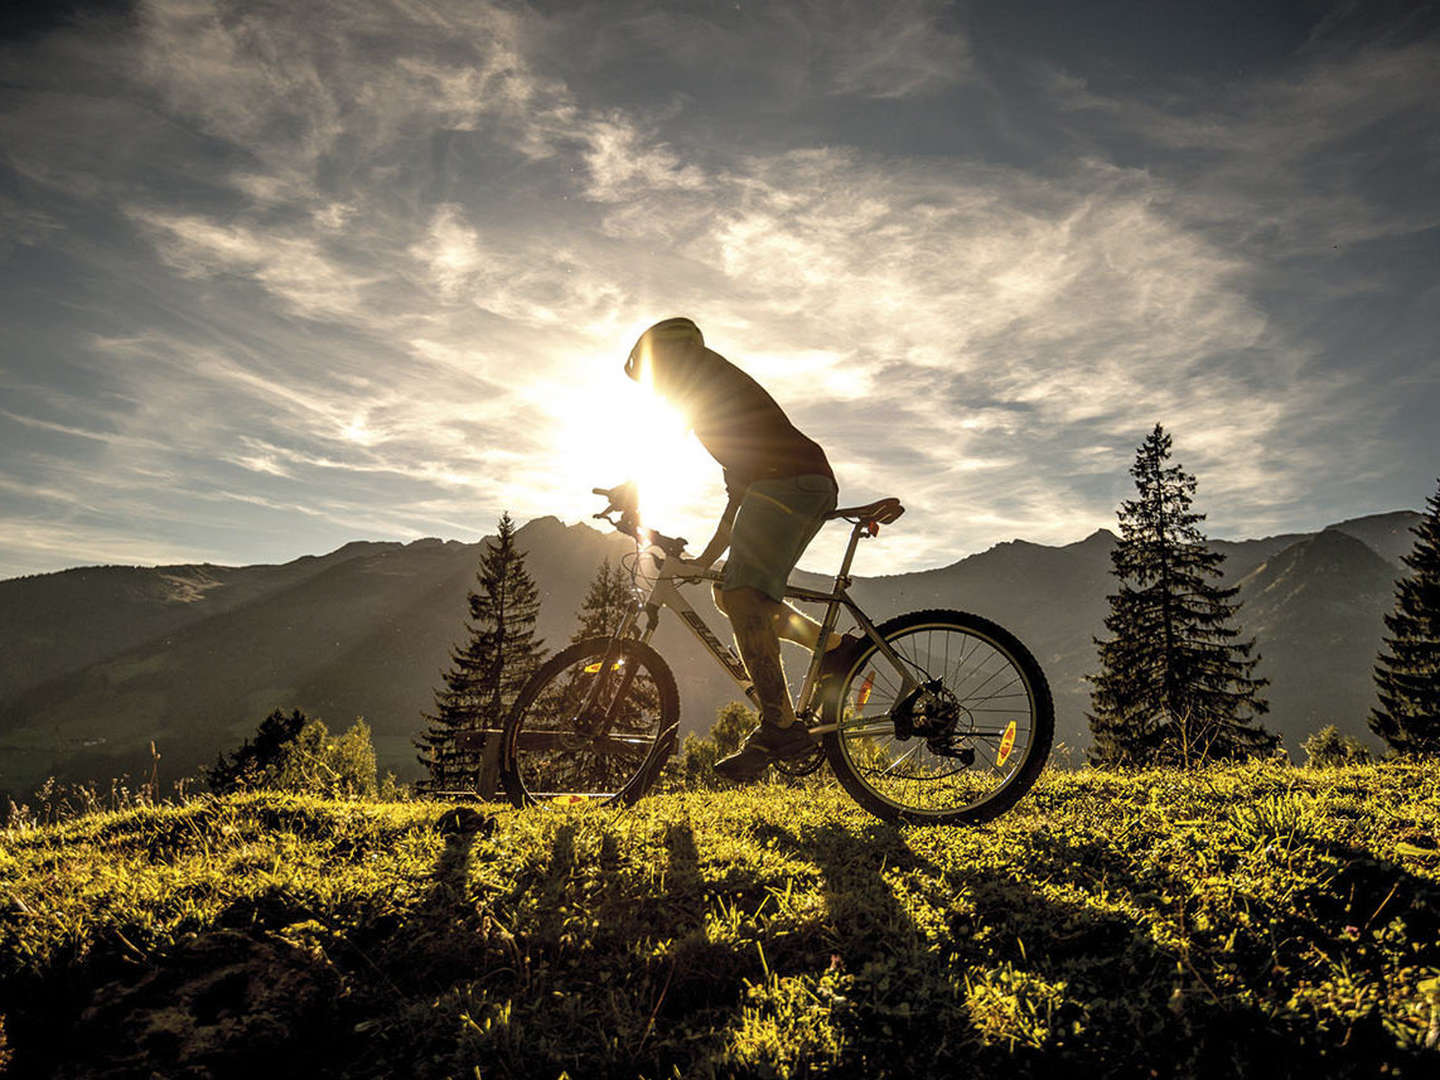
570 800
863 694
1007 743
591 669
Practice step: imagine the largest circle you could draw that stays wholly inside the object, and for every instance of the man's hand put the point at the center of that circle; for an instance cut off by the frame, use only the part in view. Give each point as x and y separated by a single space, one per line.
695 567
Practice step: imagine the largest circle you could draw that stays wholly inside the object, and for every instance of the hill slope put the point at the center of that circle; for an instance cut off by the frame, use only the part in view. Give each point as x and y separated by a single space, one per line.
54 624
1259 921
1318 609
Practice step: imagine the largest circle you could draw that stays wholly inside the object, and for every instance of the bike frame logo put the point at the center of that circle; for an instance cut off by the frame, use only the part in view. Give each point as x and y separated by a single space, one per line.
732 663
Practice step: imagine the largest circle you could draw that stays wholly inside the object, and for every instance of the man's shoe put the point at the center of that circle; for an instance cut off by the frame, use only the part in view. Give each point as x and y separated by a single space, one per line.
766 744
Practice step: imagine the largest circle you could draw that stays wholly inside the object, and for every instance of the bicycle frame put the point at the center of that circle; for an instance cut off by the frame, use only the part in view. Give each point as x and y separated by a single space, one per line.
665 593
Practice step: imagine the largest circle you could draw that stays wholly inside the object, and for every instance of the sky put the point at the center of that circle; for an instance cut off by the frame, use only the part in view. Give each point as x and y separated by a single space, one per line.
278 276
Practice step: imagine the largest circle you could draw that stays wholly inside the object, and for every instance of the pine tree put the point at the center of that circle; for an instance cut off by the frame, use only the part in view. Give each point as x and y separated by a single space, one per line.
489 669
247 766
1175 684
608 601
1407 677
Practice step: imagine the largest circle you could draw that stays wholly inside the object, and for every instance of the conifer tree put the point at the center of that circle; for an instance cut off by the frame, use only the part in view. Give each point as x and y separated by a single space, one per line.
608 601
1176 686
1407 677
488 670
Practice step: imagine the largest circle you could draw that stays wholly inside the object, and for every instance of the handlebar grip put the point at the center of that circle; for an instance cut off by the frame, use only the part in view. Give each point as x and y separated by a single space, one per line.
601 491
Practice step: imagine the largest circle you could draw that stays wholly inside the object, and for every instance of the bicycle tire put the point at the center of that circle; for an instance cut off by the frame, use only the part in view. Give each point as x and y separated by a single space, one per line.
913 795
549 750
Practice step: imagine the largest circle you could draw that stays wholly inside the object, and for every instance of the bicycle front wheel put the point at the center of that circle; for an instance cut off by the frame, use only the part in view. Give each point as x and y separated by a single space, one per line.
955 735
594 723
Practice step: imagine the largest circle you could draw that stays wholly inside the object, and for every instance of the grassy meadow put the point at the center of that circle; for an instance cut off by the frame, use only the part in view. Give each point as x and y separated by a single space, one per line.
1241 921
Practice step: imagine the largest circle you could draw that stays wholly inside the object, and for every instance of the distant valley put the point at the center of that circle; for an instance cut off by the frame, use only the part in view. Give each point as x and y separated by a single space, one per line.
97 662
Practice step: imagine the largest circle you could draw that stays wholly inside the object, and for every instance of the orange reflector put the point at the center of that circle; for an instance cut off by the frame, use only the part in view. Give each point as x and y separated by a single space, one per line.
863 694
570 800
1007 743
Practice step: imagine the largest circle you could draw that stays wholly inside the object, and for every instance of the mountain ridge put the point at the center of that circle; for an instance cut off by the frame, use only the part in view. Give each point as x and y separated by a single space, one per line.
100 660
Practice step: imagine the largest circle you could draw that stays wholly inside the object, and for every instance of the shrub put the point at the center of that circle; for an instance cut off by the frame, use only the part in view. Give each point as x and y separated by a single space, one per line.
296 753
1328 749
316 764
392 789
694 768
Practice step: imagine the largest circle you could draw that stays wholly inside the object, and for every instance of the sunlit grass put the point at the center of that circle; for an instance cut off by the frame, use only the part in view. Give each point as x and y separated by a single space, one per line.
1231 922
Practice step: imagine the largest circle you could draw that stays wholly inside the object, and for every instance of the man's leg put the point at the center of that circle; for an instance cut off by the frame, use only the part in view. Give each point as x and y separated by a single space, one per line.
755 618
754 615
776 520
790 624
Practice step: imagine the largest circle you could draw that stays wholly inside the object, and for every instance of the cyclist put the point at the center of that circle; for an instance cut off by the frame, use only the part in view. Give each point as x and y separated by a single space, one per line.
780 487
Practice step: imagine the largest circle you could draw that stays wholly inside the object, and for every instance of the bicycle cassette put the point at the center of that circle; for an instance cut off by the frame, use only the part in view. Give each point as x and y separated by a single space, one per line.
928 710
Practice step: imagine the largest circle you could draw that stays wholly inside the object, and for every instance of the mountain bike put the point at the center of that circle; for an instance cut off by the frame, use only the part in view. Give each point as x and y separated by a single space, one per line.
934 717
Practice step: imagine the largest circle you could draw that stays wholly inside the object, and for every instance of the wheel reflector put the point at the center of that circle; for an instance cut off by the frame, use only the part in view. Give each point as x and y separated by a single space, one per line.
863 694
1007 743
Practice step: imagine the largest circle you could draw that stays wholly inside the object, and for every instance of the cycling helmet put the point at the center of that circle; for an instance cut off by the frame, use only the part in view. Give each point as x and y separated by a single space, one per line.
670 332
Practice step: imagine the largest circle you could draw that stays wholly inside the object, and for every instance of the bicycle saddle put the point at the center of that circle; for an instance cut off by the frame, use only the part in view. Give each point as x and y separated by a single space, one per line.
871 515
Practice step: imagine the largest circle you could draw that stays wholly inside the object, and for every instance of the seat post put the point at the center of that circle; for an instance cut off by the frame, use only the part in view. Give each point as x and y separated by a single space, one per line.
842 579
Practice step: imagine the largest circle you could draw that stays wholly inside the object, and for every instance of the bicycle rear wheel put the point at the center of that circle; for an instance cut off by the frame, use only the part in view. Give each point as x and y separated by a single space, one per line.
587 729
958 738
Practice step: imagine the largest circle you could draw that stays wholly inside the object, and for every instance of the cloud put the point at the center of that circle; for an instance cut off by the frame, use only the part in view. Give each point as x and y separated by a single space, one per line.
1283 163
295 269
375 266
896 50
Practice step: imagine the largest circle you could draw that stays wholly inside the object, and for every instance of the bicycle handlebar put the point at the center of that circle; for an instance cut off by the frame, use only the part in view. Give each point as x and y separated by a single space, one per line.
626 499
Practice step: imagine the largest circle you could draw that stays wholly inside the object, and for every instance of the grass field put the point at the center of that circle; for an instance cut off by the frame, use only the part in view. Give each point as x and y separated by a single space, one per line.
1244 921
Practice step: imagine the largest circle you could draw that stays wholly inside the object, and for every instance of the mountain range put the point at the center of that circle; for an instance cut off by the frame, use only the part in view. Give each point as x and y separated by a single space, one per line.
98 662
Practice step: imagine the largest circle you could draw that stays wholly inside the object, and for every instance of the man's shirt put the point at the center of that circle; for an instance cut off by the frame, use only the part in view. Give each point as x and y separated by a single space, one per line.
741 425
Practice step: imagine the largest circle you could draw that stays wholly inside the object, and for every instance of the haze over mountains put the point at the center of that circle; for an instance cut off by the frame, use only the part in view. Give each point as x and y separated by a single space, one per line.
96 662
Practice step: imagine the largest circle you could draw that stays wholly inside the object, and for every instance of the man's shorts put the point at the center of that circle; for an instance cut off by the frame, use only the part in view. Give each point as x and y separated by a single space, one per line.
777 519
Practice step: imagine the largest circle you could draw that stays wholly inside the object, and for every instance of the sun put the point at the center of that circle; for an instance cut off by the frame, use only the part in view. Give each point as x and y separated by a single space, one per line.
611 430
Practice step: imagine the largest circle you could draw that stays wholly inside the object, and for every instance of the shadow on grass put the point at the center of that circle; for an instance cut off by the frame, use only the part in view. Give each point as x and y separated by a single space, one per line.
608 955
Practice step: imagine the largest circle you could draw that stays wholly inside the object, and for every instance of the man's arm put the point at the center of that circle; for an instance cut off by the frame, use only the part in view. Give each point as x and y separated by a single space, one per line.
721 540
